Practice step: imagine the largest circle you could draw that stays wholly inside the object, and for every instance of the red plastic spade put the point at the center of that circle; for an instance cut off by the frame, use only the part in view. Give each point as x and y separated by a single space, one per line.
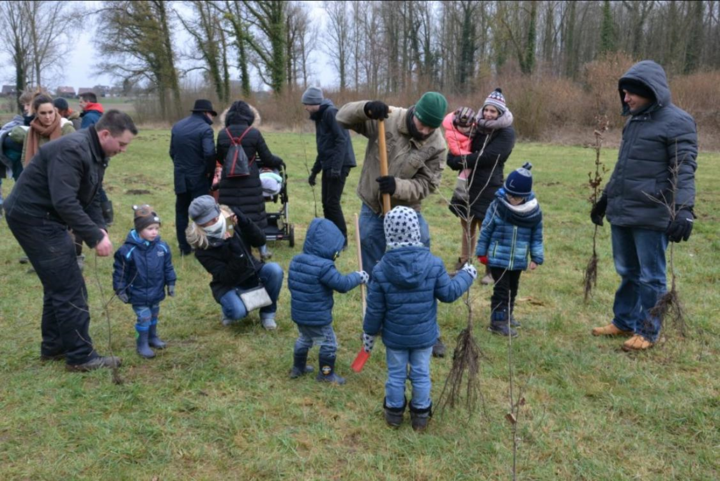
360 360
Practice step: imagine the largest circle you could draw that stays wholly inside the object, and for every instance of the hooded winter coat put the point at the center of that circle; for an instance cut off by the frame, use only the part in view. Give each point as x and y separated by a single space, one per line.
416 165
334 146
510 234
312 276
403 294
142 269
654 140
245 193
91 115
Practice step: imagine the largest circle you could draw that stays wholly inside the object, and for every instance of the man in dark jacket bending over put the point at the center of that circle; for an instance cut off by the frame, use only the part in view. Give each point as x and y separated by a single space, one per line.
654 175
335 156
59 191
192 150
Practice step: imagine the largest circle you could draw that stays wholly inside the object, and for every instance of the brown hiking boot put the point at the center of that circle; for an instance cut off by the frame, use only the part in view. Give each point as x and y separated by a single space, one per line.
610 330
637 343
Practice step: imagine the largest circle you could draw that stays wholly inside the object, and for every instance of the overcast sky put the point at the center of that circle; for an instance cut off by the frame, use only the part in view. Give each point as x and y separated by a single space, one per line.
79 70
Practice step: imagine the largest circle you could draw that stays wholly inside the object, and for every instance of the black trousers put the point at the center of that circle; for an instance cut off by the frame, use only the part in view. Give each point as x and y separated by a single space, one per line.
332 190
66 317
182 218
505 290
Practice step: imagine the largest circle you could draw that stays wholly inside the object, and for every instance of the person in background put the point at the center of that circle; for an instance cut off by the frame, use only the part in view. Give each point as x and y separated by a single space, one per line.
11 149
66 112
91 113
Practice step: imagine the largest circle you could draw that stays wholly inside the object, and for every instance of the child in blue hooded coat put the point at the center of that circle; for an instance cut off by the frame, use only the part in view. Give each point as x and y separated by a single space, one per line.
312 278
142 271
511 232
402 305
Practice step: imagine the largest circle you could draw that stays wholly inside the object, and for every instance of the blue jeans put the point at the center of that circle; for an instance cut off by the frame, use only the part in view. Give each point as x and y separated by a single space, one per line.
271 275
398 361
146 316
639 256
372 237
323 336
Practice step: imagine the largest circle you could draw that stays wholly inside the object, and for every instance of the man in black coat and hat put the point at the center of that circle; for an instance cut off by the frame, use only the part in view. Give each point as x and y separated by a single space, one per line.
192 150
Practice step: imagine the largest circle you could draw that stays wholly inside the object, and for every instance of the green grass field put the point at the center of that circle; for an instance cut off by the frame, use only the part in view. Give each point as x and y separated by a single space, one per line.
218 404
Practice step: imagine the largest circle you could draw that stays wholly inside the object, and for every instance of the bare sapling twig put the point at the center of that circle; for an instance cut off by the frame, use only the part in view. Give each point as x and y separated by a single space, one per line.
669 307
594 181
312 187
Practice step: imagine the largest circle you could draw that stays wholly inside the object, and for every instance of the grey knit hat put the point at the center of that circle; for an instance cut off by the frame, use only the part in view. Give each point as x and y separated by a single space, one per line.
203 209
312 96
144 217
402 228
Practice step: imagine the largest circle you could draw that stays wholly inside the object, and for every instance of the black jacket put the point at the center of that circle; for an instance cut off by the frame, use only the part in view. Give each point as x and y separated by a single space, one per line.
245 193
487 169
192 151
230 262
334 147
60 184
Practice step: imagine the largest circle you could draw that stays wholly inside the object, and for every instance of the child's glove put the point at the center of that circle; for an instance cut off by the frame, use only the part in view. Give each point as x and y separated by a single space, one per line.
171 290
368 342
483 260
122 295
470 269
364 277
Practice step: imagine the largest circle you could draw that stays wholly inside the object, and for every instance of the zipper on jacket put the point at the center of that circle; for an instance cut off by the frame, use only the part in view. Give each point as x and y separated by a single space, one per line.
512 247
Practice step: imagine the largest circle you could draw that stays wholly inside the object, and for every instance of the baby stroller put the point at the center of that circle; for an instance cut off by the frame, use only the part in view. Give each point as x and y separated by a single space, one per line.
274 183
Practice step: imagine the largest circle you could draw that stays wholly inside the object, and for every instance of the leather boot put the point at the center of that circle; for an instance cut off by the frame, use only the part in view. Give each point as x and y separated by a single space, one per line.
300 367
97 363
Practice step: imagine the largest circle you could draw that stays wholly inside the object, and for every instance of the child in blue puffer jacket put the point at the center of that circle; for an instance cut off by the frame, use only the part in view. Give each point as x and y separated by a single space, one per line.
142 271
402 305
512 231
312 278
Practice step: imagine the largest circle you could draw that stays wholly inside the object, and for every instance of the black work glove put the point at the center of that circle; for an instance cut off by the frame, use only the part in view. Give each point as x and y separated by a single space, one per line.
455 162
376 110
334 175
598 211
681 227
171 290
387 184
122 295
311 179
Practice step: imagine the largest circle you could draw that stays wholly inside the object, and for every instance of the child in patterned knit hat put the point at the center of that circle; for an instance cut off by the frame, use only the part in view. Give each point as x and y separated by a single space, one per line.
511 232
458 128
143 271
402 307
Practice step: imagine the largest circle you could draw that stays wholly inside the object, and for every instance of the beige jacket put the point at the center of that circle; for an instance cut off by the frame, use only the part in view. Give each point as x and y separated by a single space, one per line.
416 166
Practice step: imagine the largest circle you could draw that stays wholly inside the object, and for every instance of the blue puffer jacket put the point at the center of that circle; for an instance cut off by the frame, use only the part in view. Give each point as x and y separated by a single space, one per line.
402 302
508 235
312 276
90 117
143 269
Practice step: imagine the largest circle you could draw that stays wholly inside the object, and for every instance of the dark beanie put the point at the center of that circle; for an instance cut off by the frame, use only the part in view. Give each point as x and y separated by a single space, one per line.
519 182
145 216
636 87
61 104
431 108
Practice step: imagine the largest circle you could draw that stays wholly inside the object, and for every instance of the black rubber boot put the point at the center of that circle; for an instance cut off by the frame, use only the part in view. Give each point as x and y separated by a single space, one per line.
107 212
439 348
420 417
300 367
499 324
327 371
143 349
394 416
153 339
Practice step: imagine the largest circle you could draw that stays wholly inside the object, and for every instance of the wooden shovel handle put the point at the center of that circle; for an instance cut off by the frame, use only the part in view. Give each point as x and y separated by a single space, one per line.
360 264
383 162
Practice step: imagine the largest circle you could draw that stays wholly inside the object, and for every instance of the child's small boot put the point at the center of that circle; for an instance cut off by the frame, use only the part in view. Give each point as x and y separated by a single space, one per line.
420 417
143 333
394 416
513 322
499 324
153 339
300 367
327 371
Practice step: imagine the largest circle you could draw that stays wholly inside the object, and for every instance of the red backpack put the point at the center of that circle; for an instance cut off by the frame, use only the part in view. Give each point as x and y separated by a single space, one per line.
236 162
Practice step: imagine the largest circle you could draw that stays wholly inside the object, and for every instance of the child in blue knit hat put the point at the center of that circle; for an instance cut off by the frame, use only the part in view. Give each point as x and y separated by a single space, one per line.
142 272
511 232
312 278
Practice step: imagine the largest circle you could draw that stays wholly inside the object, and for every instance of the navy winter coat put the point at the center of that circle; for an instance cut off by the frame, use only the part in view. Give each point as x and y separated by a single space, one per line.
142 269
654 140
192 151
334 147
90 117
508 237
402 301
312 276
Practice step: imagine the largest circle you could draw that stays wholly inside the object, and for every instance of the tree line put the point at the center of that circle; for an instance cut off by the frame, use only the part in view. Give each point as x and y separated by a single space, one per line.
374 47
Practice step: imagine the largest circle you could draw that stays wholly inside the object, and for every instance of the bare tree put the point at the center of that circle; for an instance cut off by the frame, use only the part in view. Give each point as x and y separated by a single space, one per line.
338 45
268 17
13 33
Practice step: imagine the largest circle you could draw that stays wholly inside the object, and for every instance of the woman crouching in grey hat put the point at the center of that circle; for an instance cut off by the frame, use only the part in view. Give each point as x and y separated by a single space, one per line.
222 239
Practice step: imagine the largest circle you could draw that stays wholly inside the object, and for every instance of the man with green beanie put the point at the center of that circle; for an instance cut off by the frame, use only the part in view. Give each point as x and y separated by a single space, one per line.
416 153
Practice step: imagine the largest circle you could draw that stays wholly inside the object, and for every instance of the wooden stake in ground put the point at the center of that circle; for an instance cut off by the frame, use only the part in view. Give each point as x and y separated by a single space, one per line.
362 356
